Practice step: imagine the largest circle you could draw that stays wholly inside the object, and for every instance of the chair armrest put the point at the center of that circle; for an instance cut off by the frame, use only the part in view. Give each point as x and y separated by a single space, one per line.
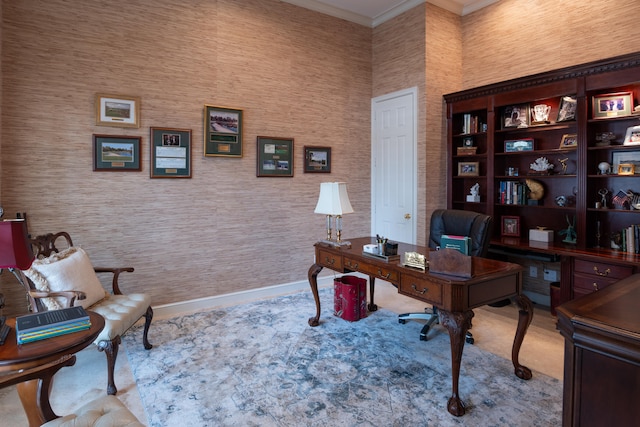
116 273
69 296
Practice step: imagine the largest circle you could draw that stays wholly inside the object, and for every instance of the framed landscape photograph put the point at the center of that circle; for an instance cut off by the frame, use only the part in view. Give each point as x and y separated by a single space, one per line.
116 153
612 105
468 169
274 157
222 131
625 156
317 159
170 153
511 226
117 110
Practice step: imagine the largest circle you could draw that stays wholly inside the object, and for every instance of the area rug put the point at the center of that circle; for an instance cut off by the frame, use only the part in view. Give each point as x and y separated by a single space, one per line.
261 364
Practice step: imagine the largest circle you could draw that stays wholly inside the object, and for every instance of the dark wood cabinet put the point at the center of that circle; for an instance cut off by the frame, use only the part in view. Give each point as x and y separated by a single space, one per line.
499 120
602 356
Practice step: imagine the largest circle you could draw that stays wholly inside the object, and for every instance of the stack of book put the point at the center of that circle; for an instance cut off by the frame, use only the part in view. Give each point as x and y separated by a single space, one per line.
47 324
459 243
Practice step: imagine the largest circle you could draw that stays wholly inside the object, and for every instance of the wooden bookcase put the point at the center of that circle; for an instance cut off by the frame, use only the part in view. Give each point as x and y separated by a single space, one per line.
492 119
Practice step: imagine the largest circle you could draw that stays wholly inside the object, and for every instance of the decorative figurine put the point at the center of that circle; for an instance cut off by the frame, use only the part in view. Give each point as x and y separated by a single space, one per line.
563 163
570 232
604 138
603 197
536 191
475 193
541 165
604 168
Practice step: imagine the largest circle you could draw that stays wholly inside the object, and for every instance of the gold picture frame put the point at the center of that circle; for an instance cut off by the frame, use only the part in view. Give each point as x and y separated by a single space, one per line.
569 140
626 169
117 110
468 169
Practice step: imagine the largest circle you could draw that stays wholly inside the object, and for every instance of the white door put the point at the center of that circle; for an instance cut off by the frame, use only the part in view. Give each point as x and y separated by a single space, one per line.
393 165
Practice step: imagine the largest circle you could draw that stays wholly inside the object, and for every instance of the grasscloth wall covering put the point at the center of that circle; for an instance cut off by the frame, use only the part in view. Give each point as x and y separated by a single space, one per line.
514 38
294 72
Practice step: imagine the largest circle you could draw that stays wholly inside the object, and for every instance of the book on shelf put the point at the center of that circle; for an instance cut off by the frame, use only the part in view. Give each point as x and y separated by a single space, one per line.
459 243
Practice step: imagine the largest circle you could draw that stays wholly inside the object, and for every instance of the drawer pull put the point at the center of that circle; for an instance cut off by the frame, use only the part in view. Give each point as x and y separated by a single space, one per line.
386 276
355 266
601 273
422 292
595 286
330 260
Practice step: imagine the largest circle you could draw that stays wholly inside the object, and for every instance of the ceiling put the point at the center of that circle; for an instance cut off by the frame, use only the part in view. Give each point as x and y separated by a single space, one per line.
374 12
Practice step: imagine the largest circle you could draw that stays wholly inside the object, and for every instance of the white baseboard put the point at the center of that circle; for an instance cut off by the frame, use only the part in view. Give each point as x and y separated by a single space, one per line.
235 298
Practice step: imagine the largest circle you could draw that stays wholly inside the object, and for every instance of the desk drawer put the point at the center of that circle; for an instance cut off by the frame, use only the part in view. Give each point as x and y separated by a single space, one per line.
383 273
329 260
422 289
601 269
589 283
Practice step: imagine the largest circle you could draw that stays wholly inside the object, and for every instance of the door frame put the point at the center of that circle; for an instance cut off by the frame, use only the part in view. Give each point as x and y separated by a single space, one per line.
413 92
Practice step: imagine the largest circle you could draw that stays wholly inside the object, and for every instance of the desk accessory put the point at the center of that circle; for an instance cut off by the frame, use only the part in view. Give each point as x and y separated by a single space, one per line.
415 260
450 262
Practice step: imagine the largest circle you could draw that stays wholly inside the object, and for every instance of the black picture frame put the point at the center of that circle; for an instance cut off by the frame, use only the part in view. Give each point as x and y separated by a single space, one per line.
274 157
116 153
317 159
516 116
222 131
567 108
170 153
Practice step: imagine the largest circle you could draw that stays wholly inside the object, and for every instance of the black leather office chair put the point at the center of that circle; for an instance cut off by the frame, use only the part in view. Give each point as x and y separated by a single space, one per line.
461 223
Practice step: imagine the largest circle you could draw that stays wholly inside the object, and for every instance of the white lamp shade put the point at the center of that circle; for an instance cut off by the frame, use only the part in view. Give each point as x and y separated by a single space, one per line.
333 199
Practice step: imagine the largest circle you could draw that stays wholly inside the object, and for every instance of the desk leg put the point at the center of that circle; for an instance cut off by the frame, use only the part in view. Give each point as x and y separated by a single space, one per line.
34 394
457 324
314 270
524 320
372 287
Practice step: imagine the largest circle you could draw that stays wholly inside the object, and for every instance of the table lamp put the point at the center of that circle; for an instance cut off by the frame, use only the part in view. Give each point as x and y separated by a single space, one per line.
334 202
15 252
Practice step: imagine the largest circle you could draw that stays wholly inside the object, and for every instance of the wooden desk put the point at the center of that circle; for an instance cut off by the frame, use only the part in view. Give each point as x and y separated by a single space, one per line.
32 366
602 356
454 297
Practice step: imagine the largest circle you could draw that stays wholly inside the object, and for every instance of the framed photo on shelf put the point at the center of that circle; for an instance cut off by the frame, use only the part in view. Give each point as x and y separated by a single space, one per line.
626 169
117 110
468 169
513 145
612 105
222 131
621 157
275 157
170 153
569 140
317 159
633 136
116 153
510 226
567 109
516 116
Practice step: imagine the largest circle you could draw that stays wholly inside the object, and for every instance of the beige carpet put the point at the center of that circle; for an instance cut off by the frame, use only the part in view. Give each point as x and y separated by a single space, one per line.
493 330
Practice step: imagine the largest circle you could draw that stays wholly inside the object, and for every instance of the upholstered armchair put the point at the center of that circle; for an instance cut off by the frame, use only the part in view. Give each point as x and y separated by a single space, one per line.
60 278
475 225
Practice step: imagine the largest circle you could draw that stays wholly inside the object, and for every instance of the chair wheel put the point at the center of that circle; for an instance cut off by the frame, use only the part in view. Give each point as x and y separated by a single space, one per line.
469 340
423 337
402 321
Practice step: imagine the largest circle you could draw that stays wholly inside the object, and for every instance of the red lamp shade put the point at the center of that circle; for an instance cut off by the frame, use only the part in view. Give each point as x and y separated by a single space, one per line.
15 249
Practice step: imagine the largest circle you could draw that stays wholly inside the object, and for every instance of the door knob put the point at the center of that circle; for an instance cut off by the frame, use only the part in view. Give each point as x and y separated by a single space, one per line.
407 216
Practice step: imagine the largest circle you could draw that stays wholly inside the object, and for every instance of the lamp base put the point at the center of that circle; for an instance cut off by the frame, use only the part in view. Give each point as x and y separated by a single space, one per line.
337 244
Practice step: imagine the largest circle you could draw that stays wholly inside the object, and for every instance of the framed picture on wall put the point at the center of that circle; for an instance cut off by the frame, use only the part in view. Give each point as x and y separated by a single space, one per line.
274 157
317 159
117 110
116 153
222 131
170 153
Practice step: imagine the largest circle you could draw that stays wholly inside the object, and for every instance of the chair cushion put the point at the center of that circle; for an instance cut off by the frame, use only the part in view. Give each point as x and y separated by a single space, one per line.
120 312
106 411
68 270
